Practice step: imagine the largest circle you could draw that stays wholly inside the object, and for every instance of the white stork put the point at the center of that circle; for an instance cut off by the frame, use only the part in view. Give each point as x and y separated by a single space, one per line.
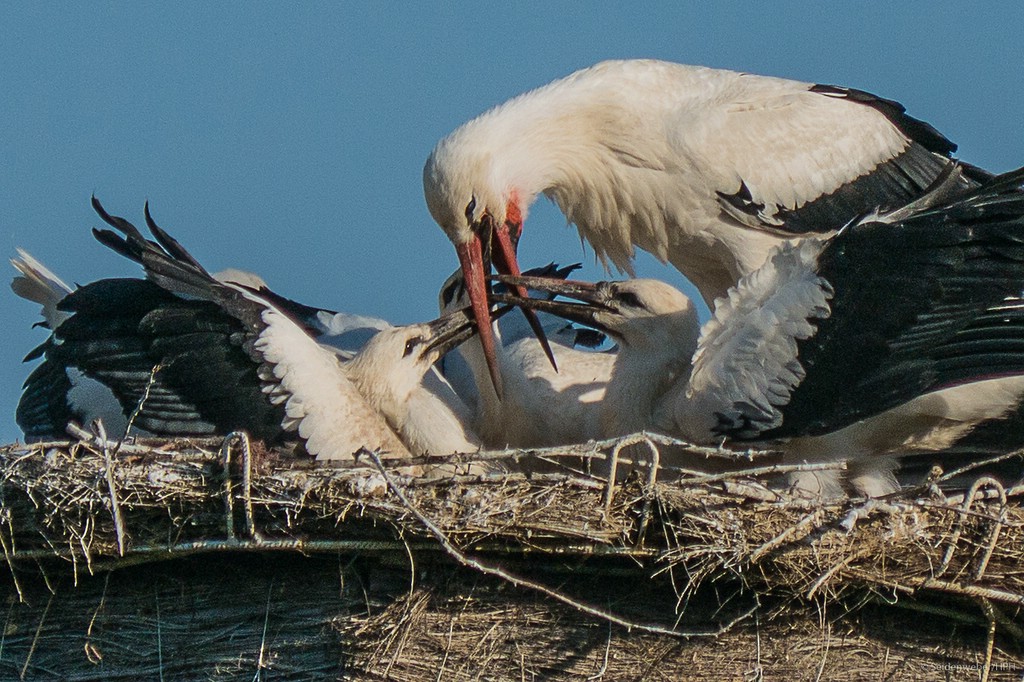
230 359
897 334
704 168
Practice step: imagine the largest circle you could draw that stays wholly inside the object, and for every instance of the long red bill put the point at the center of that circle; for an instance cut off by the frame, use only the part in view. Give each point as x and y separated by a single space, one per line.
506 260
471 260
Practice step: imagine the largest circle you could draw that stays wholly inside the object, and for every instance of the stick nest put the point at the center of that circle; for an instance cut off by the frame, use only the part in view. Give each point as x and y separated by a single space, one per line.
641 565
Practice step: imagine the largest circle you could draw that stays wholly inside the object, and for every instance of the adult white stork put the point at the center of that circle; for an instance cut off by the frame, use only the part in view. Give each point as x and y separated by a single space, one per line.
227 358
704 168
896 334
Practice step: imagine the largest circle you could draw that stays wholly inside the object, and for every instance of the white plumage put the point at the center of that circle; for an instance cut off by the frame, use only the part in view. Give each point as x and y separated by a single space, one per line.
389 371
539 407
321 403
747 353
704 168
859 347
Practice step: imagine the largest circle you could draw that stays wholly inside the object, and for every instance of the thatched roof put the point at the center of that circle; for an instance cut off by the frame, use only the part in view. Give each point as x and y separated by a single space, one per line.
213 560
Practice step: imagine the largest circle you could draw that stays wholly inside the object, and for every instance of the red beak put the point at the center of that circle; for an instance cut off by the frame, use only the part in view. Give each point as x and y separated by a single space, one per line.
506 263
471 258
476 273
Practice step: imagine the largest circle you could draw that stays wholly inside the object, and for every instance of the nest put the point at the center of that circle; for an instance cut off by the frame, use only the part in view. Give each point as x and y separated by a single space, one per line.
124 558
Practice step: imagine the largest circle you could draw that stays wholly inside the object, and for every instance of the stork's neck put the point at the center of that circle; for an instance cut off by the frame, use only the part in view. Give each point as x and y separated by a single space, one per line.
611 152
642 375
489 409
549 145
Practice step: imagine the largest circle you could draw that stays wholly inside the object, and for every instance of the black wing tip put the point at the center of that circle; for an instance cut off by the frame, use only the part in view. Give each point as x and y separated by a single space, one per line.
109 238
919 131
171 245
554 270
102 212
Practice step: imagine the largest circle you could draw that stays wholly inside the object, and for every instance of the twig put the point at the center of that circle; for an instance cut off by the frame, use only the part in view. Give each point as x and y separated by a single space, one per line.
604 663
263 638
159 633
142 401
1002 619
962 518
9 553
757 674
990 639
412 567
613 474
229 493
592 450
993 537
91 652
980 463
824 653
250 518
121 446
7 627
614 459
115 503
447 650
518 581
824 577
911 584
813 520
505 477
766 470
649 493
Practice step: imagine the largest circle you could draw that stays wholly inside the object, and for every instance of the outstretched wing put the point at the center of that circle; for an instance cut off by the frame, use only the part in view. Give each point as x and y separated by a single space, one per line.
746 365
921 305
290 370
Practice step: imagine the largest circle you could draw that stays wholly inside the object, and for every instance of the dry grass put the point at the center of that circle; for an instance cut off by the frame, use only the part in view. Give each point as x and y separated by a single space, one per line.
498 574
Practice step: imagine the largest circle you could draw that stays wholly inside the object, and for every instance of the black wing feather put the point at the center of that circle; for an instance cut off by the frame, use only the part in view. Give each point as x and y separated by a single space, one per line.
890 185
918 306
205 382
195 332
915 129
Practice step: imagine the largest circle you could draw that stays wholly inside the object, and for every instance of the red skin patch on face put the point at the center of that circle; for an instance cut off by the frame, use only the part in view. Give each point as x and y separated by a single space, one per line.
514 217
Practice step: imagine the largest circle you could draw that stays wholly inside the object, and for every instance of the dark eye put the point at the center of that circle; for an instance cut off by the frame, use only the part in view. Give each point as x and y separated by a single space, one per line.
470 207
411 344
629 298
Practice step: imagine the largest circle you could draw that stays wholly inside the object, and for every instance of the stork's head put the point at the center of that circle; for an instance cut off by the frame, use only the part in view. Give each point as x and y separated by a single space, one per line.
642 314
391 365
482 213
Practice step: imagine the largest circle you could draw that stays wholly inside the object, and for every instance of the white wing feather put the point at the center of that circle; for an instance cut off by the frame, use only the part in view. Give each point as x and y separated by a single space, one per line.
323 403
38 284
746 363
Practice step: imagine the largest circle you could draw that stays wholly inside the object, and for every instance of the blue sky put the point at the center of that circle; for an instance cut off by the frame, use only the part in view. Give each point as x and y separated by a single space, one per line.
290 140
